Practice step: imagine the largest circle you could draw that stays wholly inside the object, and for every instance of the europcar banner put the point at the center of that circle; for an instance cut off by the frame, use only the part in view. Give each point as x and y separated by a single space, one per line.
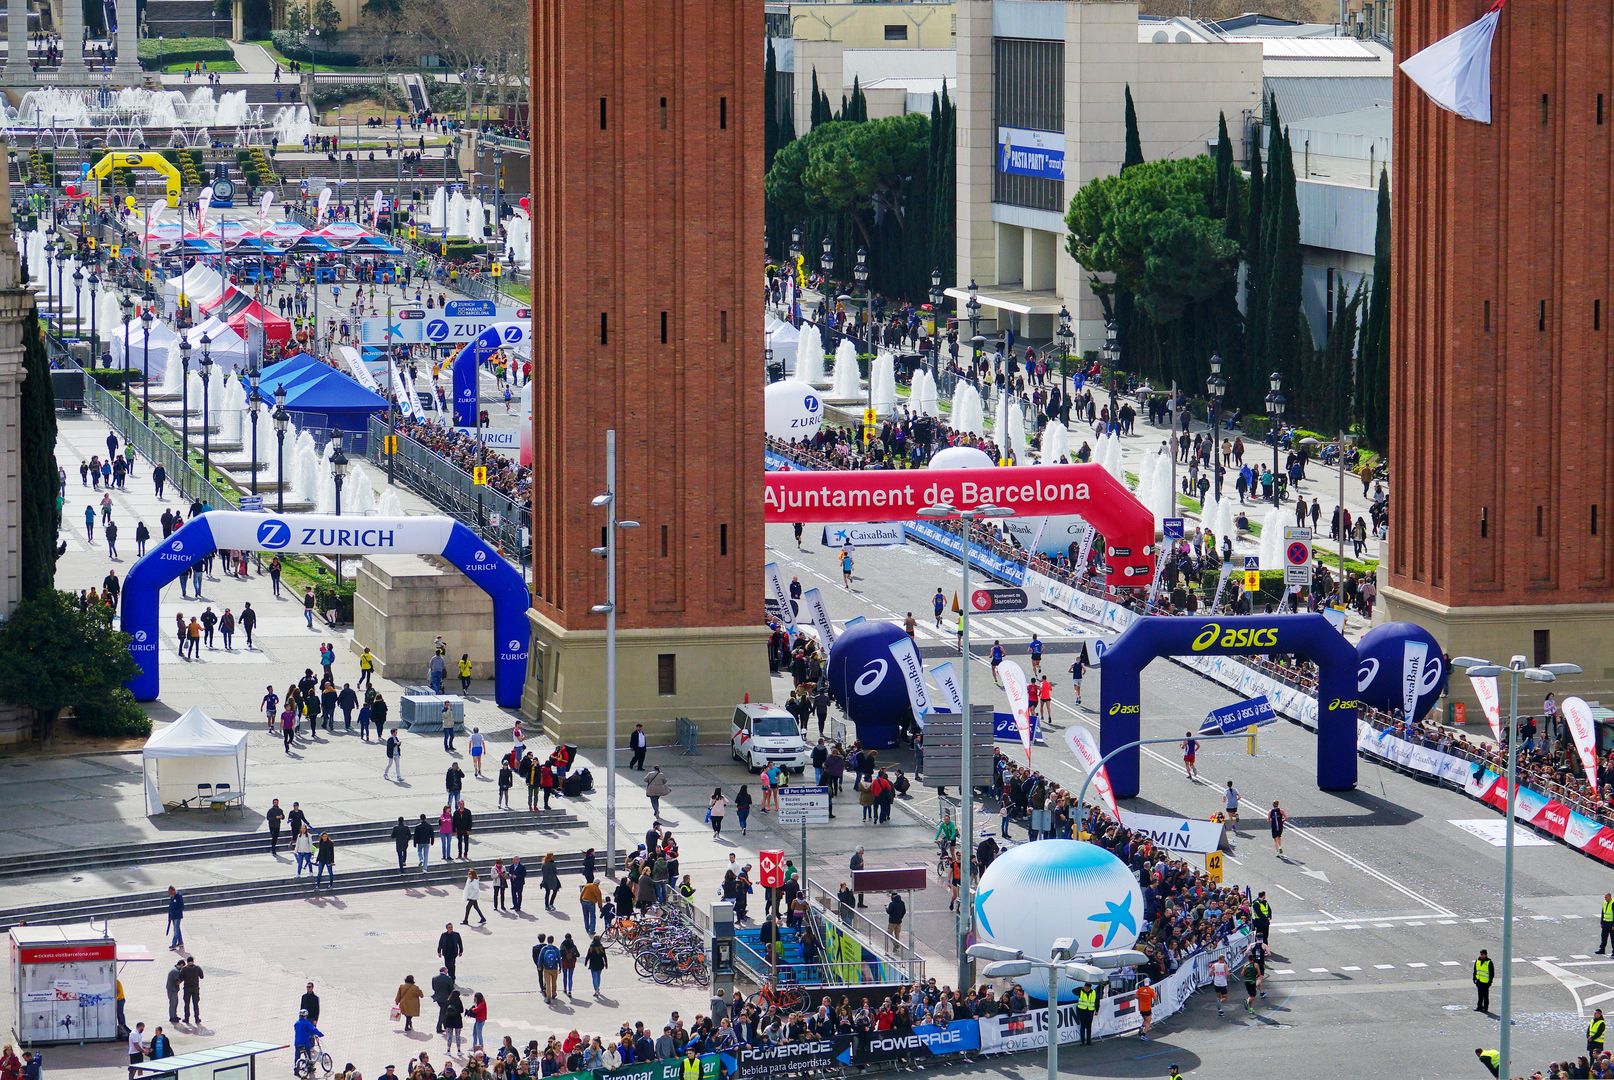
664 1069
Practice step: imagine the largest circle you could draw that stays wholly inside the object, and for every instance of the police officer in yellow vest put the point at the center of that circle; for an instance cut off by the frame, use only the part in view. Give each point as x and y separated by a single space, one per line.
1491 1059
1594 1033
1484 972
1086 1009
1607 923
690 1067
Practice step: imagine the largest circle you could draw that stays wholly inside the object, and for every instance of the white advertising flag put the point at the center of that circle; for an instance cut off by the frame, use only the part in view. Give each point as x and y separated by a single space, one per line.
1578 715
913 674
820 616
1490 702
1412 660
324 201
1456 70
263 206
946 677
1082 745
1014 685
776 586
203 202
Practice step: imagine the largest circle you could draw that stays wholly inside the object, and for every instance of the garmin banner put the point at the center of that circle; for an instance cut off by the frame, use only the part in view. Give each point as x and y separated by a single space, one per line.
328 534
499 335
1027 152
1176 834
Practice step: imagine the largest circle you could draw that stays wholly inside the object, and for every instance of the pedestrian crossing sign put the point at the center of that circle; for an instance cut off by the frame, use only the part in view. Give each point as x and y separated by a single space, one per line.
479 476
1252 581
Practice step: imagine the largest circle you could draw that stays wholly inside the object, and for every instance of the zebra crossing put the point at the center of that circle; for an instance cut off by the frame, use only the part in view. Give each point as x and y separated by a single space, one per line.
1054 628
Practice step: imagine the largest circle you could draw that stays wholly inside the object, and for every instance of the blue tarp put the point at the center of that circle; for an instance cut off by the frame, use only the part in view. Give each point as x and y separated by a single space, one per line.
335 395
198 246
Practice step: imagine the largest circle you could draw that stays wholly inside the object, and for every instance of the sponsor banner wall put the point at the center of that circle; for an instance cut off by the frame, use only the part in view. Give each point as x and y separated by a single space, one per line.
663 1069
789 1059
875 1048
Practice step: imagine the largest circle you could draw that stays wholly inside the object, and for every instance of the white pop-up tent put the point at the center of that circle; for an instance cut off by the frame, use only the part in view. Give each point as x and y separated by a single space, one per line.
130 339
198 285
195 749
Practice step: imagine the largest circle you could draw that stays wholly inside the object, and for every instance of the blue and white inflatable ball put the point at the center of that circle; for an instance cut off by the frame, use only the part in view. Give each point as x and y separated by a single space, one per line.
865 682
1398 662
1033 894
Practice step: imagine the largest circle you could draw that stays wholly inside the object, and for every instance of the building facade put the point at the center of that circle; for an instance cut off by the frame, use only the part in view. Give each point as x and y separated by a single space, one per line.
1502 440
647 195
1041 111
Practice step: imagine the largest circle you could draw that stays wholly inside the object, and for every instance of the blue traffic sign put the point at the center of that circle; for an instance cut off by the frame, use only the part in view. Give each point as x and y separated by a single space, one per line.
1230 719
1172 527
1252 562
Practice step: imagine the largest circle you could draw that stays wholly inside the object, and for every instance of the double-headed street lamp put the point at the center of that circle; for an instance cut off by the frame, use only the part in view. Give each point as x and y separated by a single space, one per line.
1276 403
128 314
826 267
78 292
1064 962
606 500
252 417
281 418
338 474
937 296
860 274
95 331
145 363
972 310
185 398
1215 388
966 814
1514 670
1067 338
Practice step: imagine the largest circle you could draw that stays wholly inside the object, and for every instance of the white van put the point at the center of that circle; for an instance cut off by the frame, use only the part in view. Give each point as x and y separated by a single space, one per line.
765 734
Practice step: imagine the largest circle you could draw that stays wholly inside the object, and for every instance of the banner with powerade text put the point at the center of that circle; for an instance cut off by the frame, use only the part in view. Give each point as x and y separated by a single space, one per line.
832 496
924 1041
789 1059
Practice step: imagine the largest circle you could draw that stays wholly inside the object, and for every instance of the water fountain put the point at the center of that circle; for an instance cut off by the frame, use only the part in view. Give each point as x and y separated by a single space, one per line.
518 241
883 383
232 410
967 409
1055 442
1272 539
457 214
845 380
436 213
389 506
810 355
291 124
1016 431
358 492
305 469
171 372
476 226
193 388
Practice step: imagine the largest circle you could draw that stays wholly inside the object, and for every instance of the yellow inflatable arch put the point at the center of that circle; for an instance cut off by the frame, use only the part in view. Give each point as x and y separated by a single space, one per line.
138 159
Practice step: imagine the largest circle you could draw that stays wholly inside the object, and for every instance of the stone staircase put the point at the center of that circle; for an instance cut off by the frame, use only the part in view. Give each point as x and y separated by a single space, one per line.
364 176
173 19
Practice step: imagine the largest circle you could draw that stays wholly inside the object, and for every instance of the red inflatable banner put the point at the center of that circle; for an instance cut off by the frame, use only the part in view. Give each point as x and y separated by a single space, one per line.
1028 490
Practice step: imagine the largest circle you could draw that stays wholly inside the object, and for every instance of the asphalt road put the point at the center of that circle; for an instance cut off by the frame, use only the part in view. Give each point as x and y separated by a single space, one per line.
1380 902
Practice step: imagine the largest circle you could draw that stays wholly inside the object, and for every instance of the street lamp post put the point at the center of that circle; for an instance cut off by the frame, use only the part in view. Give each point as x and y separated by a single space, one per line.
207 417
128 312
95 329
795 253
606 500
252 417
61 293
281 418
1067 337
1064 961
185 398
1275 406
860 274
826 266
966 813
972 308
937 297
1515 669
145 363
338 474
50 263
1215 387
78 294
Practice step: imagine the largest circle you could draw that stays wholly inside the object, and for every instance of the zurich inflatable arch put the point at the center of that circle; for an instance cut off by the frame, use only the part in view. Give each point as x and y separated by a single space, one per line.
502 335
235 530
1311 636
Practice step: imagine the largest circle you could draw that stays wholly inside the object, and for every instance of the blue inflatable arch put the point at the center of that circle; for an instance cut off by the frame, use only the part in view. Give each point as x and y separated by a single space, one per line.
234 530
469 360
1311 636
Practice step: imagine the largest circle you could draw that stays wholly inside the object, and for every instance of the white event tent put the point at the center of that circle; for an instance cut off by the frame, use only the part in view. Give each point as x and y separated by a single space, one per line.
195 749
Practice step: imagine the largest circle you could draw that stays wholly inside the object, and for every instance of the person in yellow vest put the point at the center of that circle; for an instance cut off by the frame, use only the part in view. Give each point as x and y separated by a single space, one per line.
1484 971
1594 1033
1086 1009
1607 924
1491 1059
465 673
690 1067
366 667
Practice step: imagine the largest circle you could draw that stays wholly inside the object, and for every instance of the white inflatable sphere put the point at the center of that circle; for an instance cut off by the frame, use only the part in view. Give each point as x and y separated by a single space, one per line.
792 410
1035 893
962 457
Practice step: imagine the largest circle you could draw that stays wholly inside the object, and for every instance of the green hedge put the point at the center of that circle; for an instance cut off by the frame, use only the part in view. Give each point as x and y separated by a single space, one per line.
462 249
293 47
182 51
116 716
114 378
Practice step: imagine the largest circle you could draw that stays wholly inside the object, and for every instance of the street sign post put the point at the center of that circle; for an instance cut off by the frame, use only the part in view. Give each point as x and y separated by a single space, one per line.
1252 581
1296 556
252 503
804 805
1172 528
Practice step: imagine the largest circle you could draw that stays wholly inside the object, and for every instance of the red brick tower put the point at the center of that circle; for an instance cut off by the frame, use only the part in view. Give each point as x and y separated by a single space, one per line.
1502 440
647 221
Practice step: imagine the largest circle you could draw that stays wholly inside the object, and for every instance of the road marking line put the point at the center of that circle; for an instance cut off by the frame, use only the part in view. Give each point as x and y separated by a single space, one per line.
1350 969
1415 924
1285 971
1318 971
1383 926
1450 963
1291 892
1281 930
1417 965
1571 916
1383 967
1447 922
1546 958
1579 956
1321 929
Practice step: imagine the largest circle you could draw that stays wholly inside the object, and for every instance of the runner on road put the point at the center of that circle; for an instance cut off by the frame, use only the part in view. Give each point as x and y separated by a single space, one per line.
997 658
1230 805
1036 655
1275 818
937 604
1252 983
1218 974
1077 670
1190 750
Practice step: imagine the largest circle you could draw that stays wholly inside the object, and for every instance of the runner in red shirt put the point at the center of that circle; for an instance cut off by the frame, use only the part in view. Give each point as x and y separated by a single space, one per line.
1145 997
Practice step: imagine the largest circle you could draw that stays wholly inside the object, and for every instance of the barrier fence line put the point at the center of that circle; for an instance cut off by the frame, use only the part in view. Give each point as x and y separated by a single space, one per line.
147 442
450 488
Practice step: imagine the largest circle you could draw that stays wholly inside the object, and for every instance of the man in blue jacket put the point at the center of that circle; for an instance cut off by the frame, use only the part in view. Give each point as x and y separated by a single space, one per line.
303 1036
176 913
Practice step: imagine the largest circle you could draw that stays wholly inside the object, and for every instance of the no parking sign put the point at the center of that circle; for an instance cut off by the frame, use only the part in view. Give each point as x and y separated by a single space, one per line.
1296 556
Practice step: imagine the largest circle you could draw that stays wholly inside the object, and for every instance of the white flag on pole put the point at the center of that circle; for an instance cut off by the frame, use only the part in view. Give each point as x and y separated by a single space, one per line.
819 615
946 677
1082 745
1014 685
1578 715
776 585
913 675
1456 70
1490 702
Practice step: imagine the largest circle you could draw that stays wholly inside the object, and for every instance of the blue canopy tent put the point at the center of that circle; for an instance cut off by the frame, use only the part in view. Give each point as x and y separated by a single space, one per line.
333 397
286 370
198 246
312 245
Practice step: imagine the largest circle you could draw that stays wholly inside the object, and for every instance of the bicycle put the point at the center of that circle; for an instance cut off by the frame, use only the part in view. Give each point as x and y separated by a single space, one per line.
784 999
309 1058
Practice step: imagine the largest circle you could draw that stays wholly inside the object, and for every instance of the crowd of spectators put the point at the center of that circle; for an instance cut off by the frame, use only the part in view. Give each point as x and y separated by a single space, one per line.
505 475
1586 1067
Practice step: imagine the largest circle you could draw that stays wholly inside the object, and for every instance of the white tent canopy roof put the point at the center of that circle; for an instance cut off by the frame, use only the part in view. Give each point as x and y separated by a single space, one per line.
195 749
131 337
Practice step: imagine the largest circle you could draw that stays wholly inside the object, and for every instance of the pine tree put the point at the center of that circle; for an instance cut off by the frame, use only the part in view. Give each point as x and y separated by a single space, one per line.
37 469
1134 143
1373 394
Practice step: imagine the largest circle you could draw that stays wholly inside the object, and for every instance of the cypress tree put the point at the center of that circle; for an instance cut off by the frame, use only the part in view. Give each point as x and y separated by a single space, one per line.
1224 166
1253 386
37 469
770 108
944 192
1373 396
1284 319
1134 144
